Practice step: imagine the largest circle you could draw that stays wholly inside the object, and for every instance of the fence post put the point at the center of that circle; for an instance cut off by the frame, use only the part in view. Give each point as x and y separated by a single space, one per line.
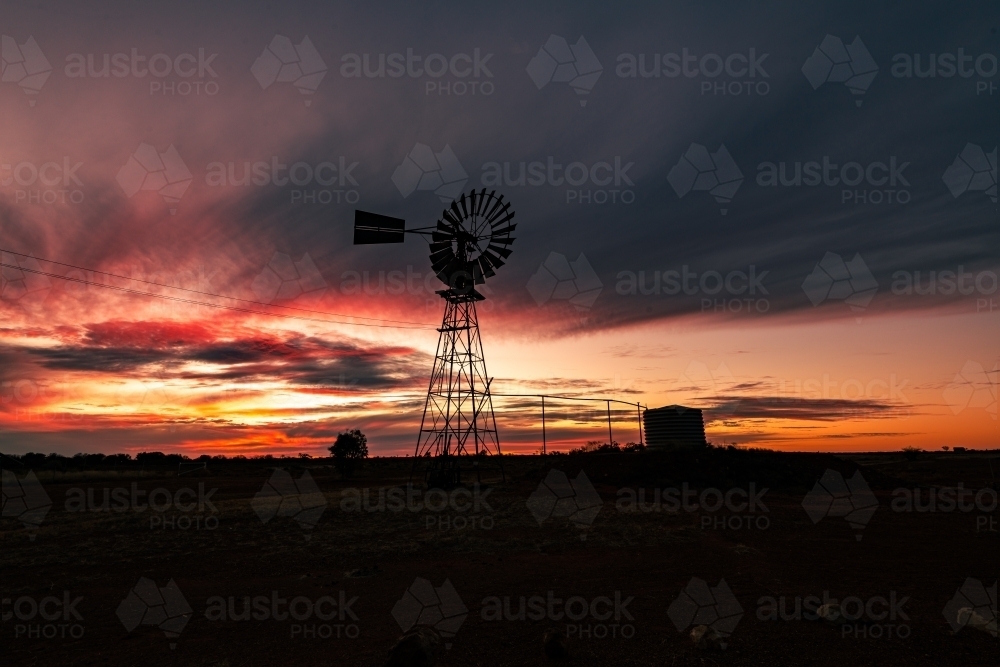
610 441
544 452
638 414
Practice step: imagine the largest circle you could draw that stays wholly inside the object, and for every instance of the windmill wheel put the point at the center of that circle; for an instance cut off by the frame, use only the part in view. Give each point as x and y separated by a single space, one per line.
472 240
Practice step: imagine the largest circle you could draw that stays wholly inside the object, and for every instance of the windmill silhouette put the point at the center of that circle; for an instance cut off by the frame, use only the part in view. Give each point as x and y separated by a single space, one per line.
469 242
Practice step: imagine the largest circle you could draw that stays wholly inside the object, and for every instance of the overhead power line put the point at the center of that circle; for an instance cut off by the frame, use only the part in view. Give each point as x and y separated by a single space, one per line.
194 291
372 323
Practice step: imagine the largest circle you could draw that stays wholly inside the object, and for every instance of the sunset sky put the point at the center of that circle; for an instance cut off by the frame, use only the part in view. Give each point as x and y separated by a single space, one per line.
346 338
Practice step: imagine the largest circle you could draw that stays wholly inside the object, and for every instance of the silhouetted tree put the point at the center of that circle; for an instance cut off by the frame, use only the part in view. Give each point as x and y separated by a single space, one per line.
350 448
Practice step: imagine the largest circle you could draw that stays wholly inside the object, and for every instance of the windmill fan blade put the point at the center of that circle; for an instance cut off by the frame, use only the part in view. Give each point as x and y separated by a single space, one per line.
494 260
487 269
465 211
497 203
444 255
456 213
441 264
477 274
439 246
497 212
500 250
500 221
506 230
441 237
484 200
450 218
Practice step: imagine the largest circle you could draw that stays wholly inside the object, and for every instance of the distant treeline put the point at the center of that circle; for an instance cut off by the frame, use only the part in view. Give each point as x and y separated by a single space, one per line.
141 460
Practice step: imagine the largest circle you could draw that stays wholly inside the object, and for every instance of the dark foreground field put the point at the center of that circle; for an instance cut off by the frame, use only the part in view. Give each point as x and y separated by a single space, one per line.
344 572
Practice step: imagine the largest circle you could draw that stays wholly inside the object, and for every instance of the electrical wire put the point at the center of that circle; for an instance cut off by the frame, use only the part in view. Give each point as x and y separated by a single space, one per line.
194 291
209 305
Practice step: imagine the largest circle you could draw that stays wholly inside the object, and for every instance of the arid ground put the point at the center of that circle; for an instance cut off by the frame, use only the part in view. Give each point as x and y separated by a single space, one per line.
633 565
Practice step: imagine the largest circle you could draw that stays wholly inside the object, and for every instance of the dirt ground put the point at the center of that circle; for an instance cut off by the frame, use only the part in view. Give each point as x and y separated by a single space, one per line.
500 551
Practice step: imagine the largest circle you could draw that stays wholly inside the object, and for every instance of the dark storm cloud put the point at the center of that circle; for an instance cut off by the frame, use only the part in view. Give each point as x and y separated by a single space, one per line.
812 409
139 349
645 124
